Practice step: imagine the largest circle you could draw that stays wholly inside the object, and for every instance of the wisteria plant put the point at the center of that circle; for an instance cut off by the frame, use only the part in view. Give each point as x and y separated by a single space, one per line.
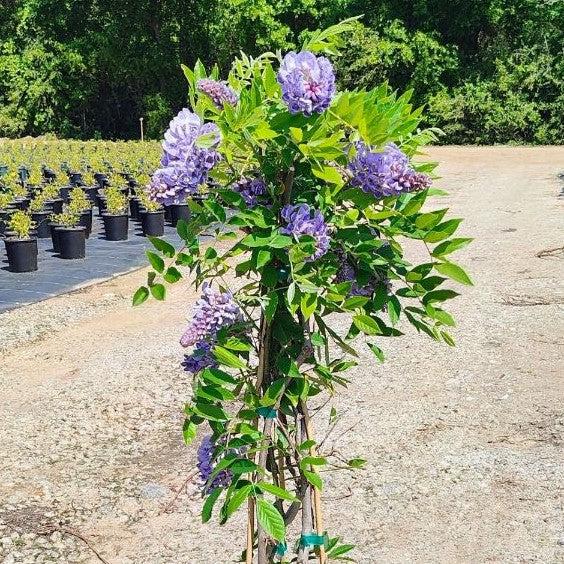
314 192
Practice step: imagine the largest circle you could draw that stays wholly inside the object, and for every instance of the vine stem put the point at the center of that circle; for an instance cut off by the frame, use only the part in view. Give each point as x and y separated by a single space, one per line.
250 530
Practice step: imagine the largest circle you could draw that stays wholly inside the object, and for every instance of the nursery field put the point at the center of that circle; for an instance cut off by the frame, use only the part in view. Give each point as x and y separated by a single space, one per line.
464 446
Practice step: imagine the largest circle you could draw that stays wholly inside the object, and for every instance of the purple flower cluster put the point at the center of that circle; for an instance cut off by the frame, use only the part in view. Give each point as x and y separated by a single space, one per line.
202 357
347 273
185 165
307 81
302 220
214 310
251 189
219 92
385 174
206 465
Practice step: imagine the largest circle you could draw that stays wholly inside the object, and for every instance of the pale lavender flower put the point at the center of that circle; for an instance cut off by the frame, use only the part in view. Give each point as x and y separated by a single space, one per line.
202 357
387 173
213 311
307 81
219 92
302 220
182 151
207 463
170 184
251 189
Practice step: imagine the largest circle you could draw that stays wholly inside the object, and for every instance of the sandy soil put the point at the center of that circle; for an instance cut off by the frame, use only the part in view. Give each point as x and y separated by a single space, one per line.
464 445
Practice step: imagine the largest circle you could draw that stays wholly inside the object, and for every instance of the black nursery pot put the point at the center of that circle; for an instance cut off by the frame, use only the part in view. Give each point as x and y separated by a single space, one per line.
101 179
101 202
64 192
86 221
21 203
116 226
41 219
134 205
22 254
91 193
152 223
72 242
56 205
75 178
167 213
55 236
4 217
179 211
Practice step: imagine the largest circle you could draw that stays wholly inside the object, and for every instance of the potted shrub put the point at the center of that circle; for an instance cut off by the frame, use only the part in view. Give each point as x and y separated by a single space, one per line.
152 218
21 199
69 238
52 198
81 205
40 214
21 247
116 219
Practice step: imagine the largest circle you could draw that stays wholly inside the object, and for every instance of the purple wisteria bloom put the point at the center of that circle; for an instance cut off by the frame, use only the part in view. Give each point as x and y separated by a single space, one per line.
387 173
251 189
206 465
213 311
219 92
202 357
307 81
302 220
170 184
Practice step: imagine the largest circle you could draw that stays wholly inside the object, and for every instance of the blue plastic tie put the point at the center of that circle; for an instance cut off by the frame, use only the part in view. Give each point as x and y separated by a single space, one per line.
267 412
311 539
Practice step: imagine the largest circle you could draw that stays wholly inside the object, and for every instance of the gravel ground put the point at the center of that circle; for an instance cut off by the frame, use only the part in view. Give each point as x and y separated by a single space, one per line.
464 445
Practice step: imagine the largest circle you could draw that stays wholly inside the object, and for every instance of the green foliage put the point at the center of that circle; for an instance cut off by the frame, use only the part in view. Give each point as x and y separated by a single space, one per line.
66 219
71 68
79 202
21 223
116 201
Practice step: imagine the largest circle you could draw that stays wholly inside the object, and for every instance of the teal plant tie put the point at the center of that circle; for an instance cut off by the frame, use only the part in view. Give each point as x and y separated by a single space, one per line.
311 539
267 412
281 549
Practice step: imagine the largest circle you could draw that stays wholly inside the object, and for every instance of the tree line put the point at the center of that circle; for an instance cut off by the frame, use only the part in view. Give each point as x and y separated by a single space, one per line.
487 71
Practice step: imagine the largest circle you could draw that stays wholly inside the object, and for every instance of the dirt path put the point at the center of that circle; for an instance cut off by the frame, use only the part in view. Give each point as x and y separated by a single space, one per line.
464 446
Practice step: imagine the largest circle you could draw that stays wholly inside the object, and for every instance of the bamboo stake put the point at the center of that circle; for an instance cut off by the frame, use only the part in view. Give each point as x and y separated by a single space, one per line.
250 530
317 509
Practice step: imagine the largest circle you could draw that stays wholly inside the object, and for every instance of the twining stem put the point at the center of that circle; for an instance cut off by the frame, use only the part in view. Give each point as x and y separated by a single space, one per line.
307 517
250 530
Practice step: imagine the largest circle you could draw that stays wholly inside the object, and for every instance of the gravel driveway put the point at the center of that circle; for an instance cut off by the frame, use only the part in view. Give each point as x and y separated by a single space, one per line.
464 445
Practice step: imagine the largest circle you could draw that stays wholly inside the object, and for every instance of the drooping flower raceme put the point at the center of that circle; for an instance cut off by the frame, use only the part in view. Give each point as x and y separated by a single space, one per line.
251 189
213 311
387 173
202 357
170 184
307 81
219 92
302 220
206 465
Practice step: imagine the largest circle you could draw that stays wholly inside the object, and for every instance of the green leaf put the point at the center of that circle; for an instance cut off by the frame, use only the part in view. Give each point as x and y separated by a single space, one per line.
158 291
271 306
209 503
356 462
140 295
442 231
378 353
273 392
454 271
313 461
172 275
447 247
165 248
211 412
366 324
238 498
308 303
216 376
313 478
156 261
243 466
189 431
275 490
227 358
263 257
270 520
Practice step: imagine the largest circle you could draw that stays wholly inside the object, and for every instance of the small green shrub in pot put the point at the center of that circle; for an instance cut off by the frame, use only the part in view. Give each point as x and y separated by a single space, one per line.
79 202
116 219
40 215
21 247
69 236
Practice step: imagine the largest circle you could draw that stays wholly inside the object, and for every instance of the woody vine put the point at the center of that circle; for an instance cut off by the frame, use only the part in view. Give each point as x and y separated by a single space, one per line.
314 191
